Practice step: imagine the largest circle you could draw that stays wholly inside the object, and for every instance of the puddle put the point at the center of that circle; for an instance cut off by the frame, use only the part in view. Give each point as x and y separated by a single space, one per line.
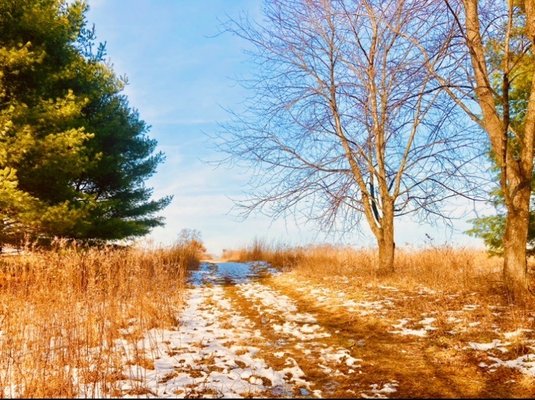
229 272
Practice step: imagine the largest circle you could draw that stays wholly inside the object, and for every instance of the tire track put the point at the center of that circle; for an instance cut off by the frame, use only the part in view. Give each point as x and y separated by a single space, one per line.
296 335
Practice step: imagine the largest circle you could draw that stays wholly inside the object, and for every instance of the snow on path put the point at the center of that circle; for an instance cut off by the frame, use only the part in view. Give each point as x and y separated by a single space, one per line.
216 351
301 325
211 354
332 299
302 328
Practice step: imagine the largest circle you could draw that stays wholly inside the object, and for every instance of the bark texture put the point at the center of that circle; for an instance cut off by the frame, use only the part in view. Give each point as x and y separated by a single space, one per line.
516 164
386 250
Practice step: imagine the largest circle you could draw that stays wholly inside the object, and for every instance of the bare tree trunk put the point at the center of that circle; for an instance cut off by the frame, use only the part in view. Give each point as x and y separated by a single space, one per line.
530 19
516 167
386 249
514 242
385 241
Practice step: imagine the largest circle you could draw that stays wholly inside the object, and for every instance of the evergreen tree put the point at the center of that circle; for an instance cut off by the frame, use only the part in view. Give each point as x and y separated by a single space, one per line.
40 146
73 155
492 228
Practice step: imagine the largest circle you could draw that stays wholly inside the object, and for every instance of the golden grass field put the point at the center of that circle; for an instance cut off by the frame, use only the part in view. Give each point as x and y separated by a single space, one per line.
72 318
62 309
443 268
459 288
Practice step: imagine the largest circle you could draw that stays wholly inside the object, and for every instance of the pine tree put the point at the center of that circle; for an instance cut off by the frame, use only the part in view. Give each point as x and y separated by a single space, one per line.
39 141
73 155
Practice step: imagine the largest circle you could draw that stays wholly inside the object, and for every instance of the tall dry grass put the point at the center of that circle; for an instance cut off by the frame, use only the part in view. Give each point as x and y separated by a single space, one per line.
65 312
443 268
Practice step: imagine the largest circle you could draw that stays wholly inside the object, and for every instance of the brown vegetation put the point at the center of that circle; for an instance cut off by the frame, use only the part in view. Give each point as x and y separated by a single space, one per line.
63 310
439 268
461 290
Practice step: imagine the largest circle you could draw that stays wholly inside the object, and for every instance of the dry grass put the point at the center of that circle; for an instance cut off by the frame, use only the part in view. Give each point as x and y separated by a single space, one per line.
62 311
441 268
454 276
460 288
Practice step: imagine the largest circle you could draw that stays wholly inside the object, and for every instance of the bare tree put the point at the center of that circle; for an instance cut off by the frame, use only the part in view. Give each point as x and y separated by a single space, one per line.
345 120
489 44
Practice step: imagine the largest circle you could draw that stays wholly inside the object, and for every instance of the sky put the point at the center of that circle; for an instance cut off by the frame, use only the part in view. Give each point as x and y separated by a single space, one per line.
183 75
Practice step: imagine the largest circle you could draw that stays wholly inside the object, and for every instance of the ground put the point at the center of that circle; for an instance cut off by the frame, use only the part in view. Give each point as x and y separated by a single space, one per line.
249 331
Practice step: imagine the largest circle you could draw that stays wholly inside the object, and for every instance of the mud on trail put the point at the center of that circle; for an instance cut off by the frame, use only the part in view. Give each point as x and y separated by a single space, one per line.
249 331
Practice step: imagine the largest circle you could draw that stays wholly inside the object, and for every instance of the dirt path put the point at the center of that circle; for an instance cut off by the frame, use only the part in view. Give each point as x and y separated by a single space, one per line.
246 333
238 337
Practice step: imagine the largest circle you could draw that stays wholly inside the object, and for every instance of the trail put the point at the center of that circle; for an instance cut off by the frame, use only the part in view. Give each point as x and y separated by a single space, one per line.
237 337
248 331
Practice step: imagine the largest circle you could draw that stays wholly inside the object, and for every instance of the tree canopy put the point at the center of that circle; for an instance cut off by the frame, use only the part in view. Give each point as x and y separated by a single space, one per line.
74 156
344 121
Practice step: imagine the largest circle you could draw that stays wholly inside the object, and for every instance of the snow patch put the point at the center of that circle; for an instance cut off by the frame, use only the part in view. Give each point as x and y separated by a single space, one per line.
426 327
381 391
495 344
524 364
470 307
518 332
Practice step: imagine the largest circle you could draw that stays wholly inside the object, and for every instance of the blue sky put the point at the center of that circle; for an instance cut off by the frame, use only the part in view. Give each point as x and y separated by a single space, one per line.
182 76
